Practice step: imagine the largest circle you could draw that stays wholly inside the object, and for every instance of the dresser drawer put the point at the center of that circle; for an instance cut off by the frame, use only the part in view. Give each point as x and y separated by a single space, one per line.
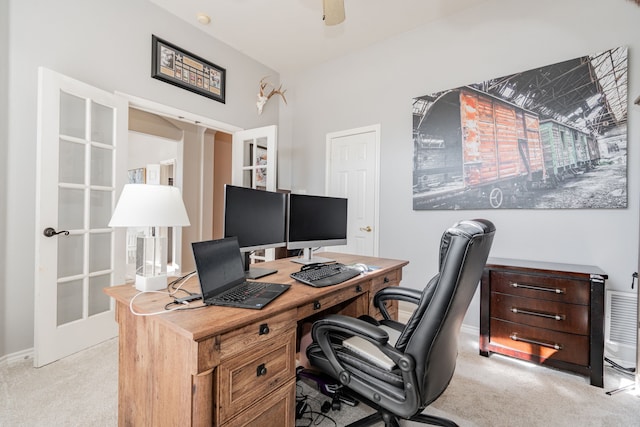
541 344
549 288
553 315
247 378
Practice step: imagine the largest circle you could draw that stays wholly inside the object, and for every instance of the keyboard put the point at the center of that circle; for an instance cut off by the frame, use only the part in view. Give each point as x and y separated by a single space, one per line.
320 275
242 292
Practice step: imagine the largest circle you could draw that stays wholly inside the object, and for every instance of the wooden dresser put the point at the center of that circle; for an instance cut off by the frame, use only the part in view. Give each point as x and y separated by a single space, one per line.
548 313
225 366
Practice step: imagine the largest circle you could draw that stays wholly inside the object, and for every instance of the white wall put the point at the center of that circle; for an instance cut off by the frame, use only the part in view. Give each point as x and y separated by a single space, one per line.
4 144
106 44
377 85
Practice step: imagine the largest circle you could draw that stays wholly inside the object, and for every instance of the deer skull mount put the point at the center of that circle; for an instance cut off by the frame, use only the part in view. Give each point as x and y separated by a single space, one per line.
263 96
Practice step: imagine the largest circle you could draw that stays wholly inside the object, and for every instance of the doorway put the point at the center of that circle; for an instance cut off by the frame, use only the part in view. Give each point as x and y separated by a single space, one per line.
192 157
353 162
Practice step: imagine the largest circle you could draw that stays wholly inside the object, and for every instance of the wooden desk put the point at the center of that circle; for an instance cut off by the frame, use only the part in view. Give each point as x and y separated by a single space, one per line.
226 366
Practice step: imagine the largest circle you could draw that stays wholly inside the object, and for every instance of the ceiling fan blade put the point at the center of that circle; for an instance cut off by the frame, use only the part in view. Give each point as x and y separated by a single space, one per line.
333 11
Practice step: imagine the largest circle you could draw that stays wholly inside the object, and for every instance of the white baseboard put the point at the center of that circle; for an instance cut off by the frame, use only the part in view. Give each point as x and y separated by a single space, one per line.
470 329
16 357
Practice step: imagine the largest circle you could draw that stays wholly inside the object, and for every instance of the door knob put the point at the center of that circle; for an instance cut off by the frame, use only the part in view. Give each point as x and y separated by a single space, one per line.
367 229
50 232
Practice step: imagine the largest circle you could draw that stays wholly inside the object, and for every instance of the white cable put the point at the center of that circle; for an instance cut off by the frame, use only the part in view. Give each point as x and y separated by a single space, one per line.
183 280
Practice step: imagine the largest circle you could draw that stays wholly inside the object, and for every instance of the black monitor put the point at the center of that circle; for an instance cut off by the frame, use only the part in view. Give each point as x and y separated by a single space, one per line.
315 221
257 219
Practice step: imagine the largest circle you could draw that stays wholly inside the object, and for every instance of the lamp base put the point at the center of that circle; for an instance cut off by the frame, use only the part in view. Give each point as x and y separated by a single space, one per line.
151 283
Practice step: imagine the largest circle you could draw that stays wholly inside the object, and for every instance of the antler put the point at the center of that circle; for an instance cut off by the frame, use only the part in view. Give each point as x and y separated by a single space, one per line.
262 98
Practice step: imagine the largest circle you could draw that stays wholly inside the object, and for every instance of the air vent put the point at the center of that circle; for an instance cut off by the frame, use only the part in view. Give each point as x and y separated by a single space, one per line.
620 328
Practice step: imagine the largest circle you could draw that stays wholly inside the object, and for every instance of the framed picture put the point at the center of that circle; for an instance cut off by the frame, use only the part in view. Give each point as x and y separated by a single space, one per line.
178 67
552 137
137 176
260 162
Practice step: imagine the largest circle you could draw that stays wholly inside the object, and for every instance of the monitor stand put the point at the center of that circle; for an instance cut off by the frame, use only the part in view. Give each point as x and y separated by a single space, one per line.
255 272
308 258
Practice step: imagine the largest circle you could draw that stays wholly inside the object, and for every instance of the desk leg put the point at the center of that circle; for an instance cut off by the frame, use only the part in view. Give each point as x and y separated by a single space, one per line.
202 410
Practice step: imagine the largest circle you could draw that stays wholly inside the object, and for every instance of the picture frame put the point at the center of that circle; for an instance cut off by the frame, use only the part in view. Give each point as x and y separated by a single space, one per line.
551 137
258 159
174 65
137 176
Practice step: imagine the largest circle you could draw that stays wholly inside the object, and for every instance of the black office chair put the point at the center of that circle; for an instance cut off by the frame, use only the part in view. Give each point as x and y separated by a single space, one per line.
400 380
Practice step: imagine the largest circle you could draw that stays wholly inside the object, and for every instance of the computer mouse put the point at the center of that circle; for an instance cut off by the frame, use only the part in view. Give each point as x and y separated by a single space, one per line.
362 268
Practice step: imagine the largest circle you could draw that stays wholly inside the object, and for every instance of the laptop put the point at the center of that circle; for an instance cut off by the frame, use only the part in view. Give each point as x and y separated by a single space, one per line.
222 279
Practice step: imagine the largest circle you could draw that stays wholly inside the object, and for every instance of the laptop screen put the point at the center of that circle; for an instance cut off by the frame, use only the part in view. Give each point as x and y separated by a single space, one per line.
219 265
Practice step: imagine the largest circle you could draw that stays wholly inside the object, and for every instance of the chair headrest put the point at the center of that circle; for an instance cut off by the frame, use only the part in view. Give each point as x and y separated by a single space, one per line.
469 228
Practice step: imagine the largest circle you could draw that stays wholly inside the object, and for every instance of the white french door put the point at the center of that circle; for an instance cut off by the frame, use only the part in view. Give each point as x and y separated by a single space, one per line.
254 163
352 172
254 154
81 167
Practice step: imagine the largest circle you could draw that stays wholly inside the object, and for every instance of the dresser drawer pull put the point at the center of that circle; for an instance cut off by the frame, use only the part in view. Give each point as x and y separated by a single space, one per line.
517 310
537 288
514 336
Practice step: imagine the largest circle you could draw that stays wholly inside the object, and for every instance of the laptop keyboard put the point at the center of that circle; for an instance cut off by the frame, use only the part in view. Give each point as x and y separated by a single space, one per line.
321 275
242 292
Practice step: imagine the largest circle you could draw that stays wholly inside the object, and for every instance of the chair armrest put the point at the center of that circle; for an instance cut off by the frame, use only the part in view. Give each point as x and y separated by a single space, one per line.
395 293
337 325
402 294
405 400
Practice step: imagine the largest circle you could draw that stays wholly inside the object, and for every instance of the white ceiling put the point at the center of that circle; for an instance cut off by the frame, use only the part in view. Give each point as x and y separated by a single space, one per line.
289 35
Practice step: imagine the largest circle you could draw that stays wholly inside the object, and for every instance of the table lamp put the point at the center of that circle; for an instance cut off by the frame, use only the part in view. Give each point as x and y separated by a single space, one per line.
147 205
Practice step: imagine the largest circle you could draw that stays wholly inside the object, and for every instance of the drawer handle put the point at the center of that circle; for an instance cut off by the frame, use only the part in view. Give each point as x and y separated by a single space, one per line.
264 329
517 310
358 288
514 336
317 305
261 370
537 288
386 279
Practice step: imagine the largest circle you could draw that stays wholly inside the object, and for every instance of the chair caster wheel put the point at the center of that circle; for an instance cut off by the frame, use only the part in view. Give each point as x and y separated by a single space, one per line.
335 405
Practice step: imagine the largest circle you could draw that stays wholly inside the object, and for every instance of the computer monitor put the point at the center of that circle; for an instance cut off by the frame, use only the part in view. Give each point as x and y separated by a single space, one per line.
257 219
315 221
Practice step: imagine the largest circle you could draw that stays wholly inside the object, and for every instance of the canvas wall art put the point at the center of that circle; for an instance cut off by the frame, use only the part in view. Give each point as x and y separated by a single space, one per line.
554 137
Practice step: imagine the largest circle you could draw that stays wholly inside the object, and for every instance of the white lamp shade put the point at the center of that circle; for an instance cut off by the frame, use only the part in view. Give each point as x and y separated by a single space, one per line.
147 205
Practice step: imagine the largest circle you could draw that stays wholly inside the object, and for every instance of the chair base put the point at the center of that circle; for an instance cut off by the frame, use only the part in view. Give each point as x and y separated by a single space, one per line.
391 420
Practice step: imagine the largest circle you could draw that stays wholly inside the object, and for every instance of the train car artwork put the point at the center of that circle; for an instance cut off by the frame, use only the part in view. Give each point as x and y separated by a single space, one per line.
567 151
467 140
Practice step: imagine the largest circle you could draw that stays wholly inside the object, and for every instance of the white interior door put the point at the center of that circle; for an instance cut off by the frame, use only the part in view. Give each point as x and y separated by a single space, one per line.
254 163
80 170
352 172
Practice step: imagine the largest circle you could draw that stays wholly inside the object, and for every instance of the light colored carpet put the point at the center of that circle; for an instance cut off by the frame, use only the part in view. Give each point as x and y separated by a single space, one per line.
81 390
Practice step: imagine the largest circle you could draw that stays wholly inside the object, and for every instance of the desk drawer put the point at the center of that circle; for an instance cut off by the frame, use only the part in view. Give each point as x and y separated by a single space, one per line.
392 278
553 315
331 300
549 288
275 409
238 340
249 377
541 344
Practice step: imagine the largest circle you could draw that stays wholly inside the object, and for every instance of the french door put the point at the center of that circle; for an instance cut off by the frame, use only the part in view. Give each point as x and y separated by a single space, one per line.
254 164
81 168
